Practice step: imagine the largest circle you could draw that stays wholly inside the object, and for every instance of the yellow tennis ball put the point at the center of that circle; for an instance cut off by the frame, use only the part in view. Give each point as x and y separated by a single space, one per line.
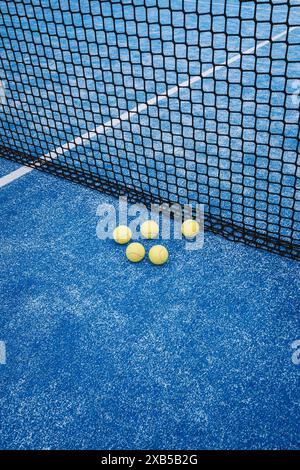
122 234
135 252
149 229
190 228
158 254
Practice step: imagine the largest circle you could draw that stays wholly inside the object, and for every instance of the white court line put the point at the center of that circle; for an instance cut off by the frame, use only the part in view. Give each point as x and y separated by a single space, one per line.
101 129
23 170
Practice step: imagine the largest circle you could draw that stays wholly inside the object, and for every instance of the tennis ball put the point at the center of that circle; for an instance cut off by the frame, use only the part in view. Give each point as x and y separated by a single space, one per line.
122 234
135 252
149 229
190 228
158 254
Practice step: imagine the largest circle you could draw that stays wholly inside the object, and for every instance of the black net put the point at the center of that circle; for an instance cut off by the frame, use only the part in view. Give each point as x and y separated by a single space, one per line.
162 100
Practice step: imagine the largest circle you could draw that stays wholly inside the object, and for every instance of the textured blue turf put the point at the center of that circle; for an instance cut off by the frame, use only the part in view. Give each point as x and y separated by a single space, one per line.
70 67
105 354
7 166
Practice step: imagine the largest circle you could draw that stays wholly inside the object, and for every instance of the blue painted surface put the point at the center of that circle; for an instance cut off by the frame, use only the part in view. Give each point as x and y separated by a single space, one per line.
7 166
105 354
70 67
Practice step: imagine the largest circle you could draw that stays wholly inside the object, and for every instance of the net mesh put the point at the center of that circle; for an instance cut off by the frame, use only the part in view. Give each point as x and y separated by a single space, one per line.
164 101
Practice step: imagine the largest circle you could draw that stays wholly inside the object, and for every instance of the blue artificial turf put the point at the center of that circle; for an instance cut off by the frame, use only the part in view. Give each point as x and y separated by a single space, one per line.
229 139
105 354
7 166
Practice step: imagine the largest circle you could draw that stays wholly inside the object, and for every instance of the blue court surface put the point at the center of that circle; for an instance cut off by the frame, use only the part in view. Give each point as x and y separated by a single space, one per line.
101 353
146 91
